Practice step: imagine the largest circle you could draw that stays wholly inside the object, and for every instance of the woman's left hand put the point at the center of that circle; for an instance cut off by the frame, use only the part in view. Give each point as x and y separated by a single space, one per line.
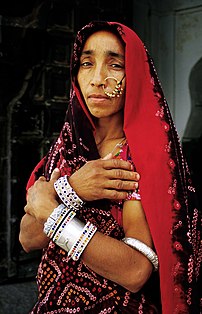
42 198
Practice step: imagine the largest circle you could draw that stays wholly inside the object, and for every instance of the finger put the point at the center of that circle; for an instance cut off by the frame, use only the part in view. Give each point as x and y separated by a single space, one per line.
108 156
122 185
114 174
26 209
55 174
137 175
117 163
115 195
42 178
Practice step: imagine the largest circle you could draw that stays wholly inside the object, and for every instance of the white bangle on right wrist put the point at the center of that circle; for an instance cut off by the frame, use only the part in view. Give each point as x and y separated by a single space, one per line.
67 194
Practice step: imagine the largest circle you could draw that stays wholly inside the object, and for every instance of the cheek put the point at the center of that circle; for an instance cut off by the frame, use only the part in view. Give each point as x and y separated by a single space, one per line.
82 85
122 100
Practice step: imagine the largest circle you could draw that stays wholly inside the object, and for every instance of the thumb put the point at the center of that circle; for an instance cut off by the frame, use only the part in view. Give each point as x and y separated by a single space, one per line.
55 174
108 156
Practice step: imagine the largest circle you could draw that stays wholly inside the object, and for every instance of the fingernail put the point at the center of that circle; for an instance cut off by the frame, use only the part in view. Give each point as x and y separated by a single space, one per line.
136 185
56 170
137 176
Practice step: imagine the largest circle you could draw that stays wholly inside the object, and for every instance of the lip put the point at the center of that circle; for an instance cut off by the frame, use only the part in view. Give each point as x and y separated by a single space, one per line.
98 96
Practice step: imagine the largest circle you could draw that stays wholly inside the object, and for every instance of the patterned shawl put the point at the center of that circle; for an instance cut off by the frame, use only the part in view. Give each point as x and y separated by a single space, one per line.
168 197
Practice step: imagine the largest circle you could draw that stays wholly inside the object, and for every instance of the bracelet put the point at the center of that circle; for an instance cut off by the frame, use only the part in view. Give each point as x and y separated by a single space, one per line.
70 216
144 249
66 193
53 220
80 245
133 195
68 232
74 237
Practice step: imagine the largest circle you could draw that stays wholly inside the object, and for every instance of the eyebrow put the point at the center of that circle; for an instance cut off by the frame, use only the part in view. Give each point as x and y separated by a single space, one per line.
109 53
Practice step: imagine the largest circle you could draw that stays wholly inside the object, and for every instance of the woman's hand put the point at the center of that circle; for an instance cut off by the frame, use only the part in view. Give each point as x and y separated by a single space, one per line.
31 234
104 178
42 198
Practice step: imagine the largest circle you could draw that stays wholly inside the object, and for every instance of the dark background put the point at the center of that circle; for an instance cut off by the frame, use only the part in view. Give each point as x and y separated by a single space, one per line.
36 38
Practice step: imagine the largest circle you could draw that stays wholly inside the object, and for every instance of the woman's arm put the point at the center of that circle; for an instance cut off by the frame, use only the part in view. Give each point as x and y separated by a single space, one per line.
107 256
115 260
95 180
31 234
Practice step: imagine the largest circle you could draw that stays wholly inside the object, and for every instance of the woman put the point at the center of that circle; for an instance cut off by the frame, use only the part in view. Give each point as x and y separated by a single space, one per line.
117 120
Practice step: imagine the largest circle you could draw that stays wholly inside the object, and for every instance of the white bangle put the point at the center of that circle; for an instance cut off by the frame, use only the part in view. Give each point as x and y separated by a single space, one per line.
75 237
81 243
68 232
53 220
144 249
71 233
67 194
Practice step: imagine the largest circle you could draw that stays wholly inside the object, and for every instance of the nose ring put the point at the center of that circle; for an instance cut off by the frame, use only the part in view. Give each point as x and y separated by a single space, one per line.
117 91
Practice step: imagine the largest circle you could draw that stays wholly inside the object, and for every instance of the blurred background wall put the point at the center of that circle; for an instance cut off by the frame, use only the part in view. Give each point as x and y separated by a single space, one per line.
36 39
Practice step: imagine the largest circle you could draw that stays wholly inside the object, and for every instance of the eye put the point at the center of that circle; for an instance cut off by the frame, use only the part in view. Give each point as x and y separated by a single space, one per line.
85 64
117 66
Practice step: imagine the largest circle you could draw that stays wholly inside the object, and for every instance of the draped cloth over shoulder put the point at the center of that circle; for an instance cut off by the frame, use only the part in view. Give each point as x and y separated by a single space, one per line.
168 196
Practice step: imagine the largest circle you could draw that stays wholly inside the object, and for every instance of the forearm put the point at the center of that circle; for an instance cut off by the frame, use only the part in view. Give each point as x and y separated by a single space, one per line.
31 234
116 261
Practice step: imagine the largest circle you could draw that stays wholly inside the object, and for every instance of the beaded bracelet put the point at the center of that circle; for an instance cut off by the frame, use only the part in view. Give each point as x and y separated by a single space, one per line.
54 219
144 249
80 245
66 193
69 217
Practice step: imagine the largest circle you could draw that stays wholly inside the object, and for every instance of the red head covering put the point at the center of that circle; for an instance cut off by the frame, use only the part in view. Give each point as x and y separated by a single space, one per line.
166 189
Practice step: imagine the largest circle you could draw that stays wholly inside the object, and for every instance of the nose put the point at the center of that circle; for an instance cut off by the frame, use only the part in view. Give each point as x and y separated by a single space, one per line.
98 77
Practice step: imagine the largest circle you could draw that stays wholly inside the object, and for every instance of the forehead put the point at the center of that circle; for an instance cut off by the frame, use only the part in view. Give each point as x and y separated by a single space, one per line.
103 41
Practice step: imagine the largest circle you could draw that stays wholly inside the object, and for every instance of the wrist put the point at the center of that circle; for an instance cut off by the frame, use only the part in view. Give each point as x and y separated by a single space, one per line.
67 194
48 210
68 232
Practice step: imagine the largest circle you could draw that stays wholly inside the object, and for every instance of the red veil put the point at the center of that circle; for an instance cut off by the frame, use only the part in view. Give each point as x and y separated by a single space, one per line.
168 196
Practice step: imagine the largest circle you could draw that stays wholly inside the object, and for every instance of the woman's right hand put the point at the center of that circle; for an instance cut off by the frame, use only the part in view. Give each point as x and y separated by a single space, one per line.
104 178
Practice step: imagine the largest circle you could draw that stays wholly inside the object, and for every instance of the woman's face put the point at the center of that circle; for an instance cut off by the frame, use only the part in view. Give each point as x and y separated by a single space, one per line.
102 57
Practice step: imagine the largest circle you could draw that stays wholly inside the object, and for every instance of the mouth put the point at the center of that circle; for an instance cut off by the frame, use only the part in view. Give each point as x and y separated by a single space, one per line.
98 97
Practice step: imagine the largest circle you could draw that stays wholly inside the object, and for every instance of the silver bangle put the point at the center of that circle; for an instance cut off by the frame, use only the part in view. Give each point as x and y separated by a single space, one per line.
144 249
52 220
67 194
71 233
74 237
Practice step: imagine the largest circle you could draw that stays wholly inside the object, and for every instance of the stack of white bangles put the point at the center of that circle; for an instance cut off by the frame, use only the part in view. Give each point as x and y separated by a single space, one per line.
73 235
63 227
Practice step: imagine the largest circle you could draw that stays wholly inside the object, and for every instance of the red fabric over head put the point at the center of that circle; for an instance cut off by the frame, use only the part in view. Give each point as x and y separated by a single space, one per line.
147 140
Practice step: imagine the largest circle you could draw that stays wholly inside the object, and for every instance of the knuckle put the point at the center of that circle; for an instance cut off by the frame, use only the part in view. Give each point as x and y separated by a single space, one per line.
116 162
119 185
115 195
119 173
95 165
